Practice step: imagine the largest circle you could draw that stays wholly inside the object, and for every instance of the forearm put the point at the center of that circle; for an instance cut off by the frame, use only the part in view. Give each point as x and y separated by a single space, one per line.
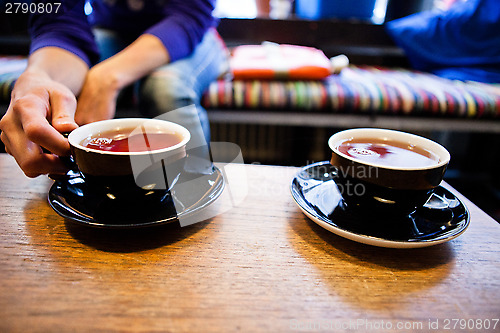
59 65
103 82
140 58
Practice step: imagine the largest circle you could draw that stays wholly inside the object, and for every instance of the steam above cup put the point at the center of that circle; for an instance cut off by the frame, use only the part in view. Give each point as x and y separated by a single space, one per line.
380 171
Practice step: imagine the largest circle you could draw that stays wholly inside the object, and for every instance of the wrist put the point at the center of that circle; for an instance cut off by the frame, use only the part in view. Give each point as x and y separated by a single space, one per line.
106 77
58 65
36 71
134 62
31 78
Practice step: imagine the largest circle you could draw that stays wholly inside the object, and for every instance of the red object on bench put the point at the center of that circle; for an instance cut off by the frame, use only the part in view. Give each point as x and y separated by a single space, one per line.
279 61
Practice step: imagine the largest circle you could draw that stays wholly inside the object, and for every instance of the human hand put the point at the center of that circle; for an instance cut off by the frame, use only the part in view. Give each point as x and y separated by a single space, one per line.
97 100
40 110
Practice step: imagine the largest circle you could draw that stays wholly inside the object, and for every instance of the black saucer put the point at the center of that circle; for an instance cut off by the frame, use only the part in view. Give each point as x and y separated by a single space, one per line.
75 200
441 219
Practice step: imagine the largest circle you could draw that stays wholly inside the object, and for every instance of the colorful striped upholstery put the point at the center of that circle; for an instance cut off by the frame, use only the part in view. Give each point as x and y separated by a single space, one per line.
357 89
362 89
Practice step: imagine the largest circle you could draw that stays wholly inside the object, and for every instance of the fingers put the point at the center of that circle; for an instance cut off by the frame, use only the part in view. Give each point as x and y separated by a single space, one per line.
37 163
29 156
34 127
63 107
3 138
35 120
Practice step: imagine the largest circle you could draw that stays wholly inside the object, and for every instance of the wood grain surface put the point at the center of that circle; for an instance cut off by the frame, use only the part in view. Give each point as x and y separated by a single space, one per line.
260 266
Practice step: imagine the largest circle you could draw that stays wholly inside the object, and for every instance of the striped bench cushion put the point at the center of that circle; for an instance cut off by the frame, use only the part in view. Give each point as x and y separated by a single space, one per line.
362 89
357 89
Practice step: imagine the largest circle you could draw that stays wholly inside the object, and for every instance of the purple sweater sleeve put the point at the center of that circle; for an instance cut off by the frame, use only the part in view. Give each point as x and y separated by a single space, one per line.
179 24
184 25
67 29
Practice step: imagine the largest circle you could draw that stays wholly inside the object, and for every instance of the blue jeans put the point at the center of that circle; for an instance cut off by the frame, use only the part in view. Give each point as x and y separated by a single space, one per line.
177 84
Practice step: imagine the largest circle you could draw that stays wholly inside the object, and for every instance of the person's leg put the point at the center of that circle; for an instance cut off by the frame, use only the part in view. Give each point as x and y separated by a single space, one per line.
109 42
182 83
173 93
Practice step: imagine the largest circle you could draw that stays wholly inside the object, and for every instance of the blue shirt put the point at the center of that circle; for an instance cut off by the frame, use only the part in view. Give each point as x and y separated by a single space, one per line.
461 43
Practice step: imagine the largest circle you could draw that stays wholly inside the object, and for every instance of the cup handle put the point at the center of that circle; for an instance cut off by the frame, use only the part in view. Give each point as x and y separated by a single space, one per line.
73 172
69 162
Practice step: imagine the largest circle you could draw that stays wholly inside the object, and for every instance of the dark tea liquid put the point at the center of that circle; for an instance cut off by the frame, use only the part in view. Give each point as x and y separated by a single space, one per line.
389 153
123 141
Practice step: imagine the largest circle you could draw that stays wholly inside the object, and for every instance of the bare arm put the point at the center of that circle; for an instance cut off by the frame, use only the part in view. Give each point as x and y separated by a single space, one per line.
60 66
98 98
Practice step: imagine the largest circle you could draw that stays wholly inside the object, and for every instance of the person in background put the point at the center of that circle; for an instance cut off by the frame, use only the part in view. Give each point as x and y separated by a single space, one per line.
458 42
84 55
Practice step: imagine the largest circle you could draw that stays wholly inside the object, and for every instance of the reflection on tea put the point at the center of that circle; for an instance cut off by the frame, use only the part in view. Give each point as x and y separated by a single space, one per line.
388 153
122 140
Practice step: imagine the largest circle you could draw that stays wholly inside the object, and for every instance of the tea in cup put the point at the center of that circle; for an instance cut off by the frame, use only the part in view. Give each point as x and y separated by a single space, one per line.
129 154
380 171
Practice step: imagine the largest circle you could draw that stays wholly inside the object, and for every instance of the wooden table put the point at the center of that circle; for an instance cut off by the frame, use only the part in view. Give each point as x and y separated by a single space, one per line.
261 266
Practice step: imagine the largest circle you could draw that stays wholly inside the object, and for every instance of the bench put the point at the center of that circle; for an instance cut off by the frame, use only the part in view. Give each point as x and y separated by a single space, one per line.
360 96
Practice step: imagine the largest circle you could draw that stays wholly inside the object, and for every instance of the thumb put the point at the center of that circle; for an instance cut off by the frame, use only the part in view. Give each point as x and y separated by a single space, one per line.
63 108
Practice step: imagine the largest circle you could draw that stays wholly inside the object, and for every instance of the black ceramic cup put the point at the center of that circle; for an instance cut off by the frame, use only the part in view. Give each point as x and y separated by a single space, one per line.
372 187
135 171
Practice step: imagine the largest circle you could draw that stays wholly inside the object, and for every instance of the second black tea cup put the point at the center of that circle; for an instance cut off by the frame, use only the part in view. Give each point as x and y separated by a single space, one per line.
381 171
